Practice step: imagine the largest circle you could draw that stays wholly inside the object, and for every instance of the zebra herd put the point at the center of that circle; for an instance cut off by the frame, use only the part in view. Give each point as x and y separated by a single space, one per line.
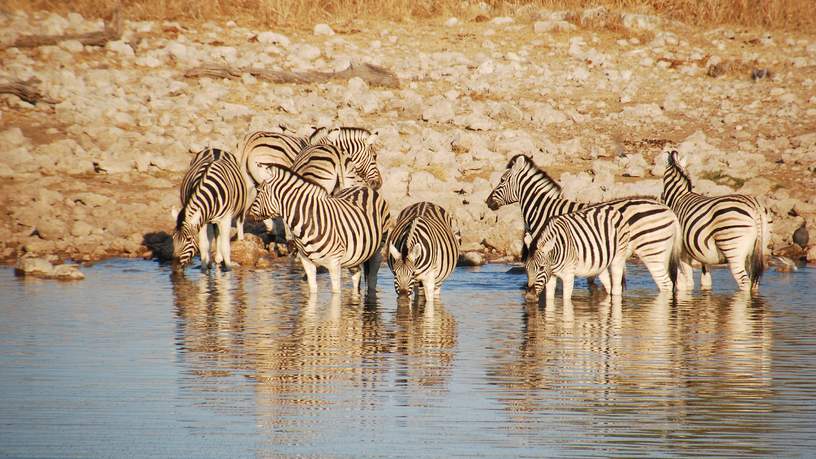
323 190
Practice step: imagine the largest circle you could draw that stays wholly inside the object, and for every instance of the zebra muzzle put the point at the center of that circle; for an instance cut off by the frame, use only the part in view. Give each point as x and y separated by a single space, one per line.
491 203
531 294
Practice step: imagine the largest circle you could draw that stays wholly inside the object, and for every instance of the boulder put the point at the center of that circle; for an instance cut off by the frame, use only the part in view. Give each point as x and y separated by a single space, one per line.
472 258
323 29
41 267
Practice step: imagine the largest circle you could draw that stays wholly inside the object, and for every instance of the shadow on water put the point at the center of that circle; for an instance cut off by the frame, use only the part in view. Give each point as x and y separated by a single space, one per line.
254 365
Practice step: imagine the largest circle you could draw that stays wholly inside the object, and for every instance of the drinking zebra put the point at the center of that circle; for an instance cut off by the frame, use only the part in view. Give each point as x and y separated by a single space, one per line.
337 231
423 247
655 230
732 229
213 192
589 242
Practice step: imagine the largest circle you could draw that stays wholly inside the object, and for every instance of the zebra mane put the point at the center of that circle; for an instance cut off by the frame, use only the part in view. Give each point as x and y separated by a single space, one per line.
677 166
300 177
539 171
408 235
354 130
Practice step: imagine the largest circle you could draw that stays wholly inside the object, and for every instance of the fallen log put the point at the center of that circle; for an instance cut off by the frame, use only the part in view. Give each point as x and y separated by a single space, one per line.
25 91
374 75
111 32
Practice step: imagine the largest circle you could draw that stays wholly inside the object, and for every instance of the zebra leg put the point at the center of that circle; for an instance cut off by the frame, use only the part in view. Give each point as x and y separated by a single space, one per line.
658 264
685 274
335 274
372 266
223 245
705 277
590 283
239 225
311 273
204 235
737 265
550 289
604 277
356 276
616 274
567 284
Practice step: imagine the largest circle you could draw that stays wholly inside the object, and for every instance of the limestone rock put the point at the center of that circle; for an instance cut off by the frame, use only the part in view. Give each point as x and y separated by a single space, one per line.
41 267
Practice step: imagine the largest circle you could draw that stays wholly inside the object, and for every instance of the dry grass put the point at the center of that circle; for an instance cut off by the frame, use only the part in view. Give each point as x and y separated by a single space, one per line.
777 14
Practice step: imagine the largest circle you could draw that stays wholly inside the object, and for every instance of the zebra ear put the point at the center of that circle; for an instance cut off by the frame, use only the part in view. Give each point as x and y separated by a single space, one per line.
174 213
415 252
370 140
333 136
519 162
392 250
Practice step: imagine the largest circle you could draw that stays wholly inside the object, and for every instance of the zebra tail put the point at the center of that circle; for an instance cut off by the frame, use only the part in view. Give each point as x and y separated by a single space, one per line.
757 258
677 251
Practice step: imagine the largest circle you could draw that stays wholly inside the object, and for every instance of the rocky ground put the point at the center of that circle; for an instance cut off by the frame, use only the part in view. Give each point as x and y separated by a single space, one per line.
593 96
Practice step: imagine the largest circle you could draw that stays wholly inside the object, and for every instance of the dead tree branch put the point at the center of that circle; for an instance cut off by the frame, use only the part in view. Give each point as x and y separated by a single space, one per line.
374 75
25 91
112 32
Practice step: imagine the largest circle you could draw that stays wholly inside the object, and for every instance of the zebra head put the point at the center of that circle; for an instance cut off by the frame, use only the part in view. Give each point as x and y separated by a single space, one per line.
403 264
358 144
185 241
264 205
539 264
676 181
506 191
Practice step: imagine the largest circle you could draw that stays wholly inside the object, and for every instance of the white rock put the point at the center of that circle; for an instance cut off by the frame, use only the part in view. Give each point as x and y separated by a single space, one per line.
553 26
633 165
12 137
502 20
308 52
72 46
640 21
120 47
546 114
477 121
486 68
323 29
452 22
442 111
272 38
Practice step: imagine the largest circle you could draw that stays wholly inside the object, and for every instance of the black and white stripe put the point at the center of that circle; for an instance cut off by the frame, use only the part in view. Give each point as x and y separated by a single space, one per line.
213 192
358 144
337 231
261 150
589 242
423 247
655 230
732 229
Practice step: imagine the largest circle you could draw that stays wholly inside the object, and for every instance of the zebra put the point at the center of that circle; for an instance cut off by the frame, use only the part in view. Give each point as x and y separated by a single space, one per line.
655 230
423 247
344 230
733 229
589 242
358 144
262 149
213 192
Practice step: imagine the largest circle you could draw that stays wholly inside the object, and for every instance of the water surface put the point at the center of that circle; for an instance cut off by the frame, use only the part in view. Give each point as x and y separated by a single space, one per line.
137 361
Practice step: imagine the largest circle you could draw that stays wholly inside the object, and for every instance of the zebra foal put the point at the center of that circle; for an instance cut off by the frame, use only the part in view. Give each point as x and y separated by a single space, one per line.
344 230
733 229
213 192
655 230
589 242
424 248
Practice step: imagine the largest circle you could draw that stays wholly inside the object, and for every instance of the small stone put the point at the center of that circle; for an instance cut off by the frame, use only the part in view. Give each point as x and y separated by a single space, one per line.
452 22
471 259
273 38
323 29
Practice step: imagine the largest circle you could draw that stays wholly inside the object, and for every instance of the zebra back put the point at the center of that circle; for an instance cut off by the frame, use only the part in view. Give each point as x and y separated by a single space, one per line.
423 242
326 166
263 149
